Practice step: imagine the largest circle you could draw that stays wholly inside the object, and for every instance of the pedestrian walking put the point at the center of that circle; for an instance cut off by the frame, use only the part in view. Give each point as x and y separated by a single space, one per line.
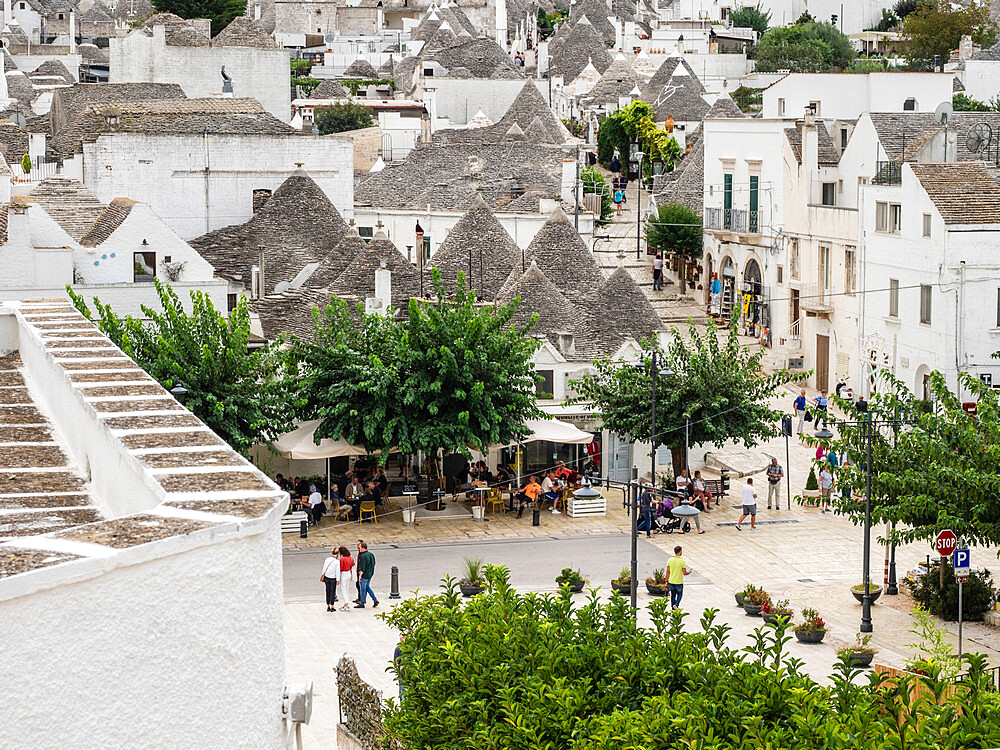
645 520
346 575
799 404
825 488
822 403
658 272
775 473
749 505
716 289
366 570
676 570
329 577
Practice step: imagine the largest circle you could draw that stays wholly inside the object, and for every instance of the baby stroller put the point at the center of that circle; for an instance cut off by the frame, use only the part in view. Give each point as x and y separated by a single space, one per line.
665 519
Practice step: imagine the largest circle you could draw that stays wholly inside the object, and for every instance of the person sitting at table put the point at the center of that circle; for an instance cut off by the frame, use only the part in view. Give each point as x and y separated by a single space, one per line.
484 475
382 481
354 492
282 482
463 479
550 490
314 506
342 481
700 493
372 495
567 475
528 494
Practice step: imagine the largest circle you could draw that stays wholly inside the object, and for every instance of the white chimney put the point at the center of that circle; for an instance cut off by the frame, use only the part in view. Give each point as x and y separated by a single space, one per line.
72 32
383 286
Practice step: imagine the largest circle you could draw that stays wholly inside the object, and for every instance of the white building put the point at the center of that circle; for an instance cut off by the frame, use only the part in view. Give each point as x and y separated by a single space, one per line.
981 74
248 58
119 535
931 233
840 96
849 19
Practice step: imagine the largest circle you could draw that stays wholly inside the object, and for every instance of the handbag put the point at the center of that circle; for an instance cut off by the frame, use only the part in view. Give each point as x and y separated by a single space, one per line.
809 416
322 578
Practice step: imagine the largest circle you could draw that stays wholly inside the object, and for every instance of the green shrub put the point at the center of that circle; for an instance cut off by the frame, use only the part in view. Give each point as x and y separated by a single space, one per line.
338 118
812 484
26 163
624 578
675 228
977 594
595 184
569 577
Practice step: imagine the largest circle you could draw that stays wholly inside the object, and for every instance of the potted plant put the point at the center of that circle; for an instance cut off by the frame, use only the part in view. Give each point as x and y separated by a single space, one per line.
623 583
741 595
874 591
754 602
473 582
812 628
572 579
860 653
812 485
656 584
772 612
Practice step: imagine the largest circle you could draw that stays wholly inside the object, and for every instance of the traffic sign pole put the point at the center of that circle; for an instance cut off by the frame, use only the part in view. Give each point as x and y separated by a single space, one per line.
962 564
944 544
960 619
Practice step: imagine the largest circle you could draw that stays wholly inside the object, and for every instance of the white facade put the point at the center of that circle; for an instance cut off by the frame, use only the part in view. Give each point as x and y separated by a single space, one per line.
945 314
852 18
197 183
982 79
840 96
259 73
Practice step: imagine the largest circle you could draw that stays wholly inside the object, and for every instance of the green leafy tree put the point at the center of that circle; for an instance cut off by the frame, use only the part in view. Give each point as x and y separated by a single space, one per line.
751 17
715 388
675 228
595 184
962 102
220 12
804 48
940 469
453 376
338 118
635 123
887 22
511 670
241 393
611 135
903 8
935 28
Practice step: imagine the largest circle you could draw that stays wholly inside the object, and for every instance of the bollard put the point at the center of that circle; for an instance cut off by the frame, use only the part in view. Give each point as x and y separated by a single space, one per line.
535 516
394 583
303 529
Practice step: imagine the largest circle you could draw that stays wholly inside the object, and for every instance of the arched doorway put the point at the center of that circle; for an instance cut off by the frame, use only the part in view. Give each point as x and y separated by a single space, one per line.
728 278
754 318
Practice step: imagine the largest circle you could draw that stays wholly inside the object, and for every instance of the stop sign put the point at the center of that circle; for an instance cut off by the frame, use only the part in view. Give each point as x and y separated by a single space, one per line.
945 543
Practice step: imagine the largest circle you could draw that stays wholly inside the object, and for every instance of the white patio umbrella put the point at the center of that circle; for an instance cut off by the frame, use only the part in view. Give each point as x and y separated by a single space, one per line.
554 431
300 444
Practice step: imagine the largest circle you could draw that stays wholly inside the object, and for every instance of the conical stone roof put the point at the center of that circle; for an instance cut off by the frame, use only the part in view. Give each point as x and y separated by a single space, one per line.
480 248
540 296
358 278
329 89
565 258
582 45
725 107
526 107
618 80
680 97
583 83
597 12
663 75
643 65
361 69
623 309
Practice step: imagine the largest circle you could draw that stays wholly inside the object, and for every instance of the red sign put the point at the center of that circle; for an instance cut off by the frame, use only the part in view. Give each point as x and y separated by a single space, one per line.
945 543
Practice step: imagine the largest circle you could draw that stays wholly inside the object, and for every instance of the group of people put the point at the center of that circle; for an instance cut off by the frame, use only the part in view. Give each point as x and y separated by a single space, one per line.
346 495
341 568
549 489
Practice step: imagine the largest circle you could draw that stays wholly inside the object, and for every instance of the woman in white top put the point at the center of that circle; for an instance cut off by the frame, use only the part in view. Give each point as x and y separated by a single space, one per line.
331 572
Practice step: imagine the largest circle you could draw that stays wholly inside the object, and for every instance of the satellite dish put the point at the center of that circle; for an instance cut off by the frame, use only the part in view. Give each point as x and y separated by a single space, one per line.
979 137
282 286
943 112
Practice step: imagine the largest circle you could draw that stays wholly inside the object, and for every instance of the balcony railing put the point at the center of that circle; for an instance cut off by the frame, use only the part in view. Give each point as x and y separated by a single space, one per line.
713 218
754 221
888 173
731 219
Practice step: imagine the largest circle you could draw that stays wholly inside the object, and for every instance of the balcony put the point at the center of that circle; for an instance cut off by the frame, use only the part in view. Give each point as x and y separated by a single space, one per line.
814 299
729 219
888 173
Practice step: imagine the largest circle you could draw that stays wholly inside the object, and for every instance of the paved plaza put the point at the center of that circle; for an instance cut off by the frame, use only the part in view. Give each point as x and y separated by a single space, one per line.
798 554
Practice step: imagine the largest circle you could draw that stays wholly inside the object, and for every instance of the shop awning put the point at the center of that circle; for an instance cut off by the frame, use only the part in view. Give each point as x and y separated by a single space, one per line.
556 431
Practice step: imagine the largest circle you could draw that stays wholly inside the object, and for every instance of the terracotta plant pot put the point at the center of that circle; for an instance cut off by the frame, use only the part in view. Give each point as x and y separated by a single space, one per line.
657 590
752 610
810 636
873 591
468 590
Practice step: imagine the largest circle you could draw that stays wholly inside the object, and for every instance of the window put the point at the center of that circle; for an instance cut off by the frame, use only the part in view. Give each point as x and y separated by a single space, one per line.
781 274
781 107
793 256
893 298
823 272
256 12
727 201
850 270
23 6
814 108
428 72
231 301
546 385
143 266
925 304
927 225
829 193
60 16
910 105
427 247
754 202
843 138
887 217
366 233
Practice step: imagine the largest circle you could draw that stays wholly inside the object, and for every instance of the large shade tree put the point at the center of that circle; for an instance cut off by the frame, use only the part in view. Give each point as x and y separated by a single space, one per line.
936 27
242 394
804 47
715 390
220 12
452 375
934 466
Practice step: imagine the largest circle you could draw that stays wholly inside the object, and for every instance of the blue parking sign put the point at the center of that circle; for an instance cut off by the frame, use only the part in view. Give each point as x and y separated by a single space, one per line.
961 558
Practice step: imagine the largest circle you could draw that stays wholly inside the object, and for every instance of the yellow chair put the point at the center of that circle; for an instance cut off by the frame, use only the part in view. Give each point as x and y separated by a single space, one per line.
494 498
367 506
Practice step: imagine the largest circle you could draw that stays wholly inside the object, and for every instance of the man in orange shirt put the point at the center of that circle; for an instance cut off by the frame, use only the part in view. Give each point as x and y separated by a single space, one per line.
528 493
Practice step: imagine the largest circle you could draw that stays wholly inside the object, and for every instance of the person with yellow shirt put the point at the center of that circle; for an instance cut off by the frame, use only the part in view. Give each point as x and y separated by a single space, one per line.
676 570
528 494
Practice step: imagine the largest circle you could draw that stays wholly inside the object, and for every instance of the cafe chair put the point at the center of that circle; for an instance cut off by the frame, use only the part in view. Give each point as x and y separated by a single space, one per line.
367 506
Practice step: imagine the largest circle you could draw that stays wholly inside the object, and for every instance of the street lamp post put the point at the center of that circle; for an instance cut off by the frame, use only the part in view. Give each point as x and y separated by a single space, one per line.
866 600
638 207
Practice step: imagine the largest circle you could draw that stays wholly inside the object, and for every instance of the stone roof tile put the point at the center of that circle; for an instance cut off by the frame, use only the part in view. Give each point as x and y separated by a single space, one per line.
178 32
244 32
361 68
358 279
69 203
109 220
582 44
962 192
329 89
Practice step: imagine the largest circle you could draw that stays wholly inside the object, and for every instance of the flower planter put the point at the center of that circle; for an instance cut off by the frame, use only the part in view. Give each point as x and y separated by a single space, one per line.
752 610
810 493
575 588
622 588
873 591
657 589
739 600
470 590
773 617
863 659
810 636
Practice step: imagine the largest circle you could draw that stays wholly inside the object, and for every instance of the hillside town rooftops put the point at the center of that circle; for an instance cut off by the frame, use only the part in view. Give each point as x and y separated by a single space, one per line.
361 68
69 203
617 82
329 89
828 156
581 45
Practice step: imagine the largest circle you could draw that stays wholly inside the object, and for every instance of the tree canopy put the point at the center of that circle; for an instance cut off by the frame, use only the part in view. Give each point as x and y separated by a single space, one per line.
714 385
936 28
635 123
338 118
595 184
242 394
805 47
675 228
454 375
221 12
751 17
939 470
510 670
